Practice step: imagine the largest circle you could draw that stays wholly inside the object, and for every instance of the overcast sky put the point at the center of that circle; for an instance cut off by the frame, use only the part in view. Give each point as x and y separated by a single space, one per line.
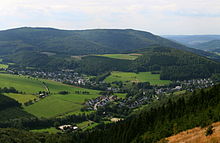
156 16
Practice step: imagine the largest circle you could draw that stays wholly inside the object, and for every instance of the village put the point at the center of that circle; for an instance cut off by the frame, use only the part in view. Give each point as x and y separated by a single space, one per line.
94 104
147 96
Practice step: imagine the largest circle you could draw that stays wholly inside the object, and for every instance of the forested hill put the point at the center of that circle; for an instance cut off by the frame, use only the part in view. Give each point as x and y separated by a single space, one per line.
166 118
11 109
173 64
81 42
213 45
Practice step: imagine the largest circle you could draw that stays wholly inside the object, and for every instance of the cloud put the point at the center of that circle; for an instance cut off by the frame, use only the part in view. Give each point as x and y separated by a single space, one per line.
157 16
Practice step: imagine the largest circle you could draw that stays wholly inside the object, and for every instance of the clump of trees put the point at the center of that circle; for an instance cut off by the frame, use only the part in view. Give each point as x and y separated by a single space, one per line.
209 130
8 90
63 92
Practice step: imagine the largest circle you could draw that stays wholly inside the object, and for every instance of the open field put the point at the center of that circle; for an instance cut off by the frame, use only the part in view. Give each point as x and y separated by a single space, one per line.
75 113
21 98
21 83
120 95
126 77
56 105
56 87
3 66
51 106
197 135
122 56
86 125
51 130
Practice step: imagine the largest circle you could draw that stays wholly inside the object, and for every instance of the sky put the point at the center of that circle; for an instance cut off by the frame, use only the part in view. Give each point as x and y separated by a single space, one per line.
162 17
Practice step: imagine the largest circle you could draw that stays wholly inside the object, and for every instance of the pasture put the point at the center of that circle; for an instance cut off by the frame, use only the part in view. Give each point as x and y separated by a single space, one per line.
57 105
21 98
51 130
128 77
3 66
21 83
51 106
120 95
122 56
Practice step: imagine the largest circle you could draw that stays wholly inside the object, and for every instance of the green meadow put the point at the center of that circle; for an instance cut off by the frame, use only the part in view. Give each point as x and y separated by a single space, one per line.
120 95
21 83
52 106
128 77
57 105
121 56
51 130
3 66
21 98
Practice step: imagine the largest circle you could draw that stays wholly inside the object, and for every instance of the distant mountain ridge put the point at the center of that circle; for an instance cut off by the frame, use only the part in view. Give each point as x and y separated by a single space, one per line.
192 40
210 43
213 45
82 42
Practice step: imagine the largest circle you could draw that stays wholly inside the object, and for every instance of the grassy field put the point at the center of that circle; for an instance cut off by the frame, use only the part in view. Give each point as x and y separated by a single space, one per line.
121 56
3 66
51 106
121 95
51 130
21 83
57 105
86 125
127 77
21 98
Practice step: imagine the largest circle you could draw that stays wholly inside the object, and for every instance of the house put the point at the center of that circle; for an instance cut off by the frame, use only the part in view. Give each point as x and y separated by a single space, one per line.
66 127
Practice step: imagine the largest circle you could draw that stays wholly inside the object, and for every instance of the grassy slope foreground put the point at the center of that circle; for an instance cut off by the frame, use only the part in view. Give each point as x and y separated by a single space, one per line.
197 135
51 106
128 77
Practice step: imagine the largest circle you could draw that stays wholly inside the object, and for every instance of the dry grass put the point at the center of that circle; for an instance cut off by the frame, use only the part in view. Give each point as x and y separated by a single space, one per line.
197 135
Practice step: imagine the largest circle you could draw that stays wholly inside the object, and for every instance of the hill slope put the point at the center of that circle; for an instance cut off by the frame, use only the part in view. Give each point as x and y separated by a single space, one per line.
197 109
81 42
11 109
191 40
197 135
173 64
209 46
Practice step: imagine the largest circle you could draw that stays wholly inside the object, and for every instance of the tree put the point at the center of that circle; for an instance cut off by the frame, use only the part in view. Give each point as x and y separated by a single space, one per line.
209 131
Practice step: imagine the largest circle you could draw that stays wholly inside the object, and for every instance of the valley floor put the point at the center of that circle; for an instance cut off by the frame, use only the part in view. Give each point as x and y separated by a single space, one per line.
197 135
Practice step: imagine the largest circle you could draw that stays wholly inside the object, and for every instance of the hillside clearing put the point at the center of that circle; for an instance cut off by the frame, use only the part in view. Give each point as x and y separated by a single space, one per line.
3 66
52 106
21 98
126 77
122 56
56 105
51 130
21 83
